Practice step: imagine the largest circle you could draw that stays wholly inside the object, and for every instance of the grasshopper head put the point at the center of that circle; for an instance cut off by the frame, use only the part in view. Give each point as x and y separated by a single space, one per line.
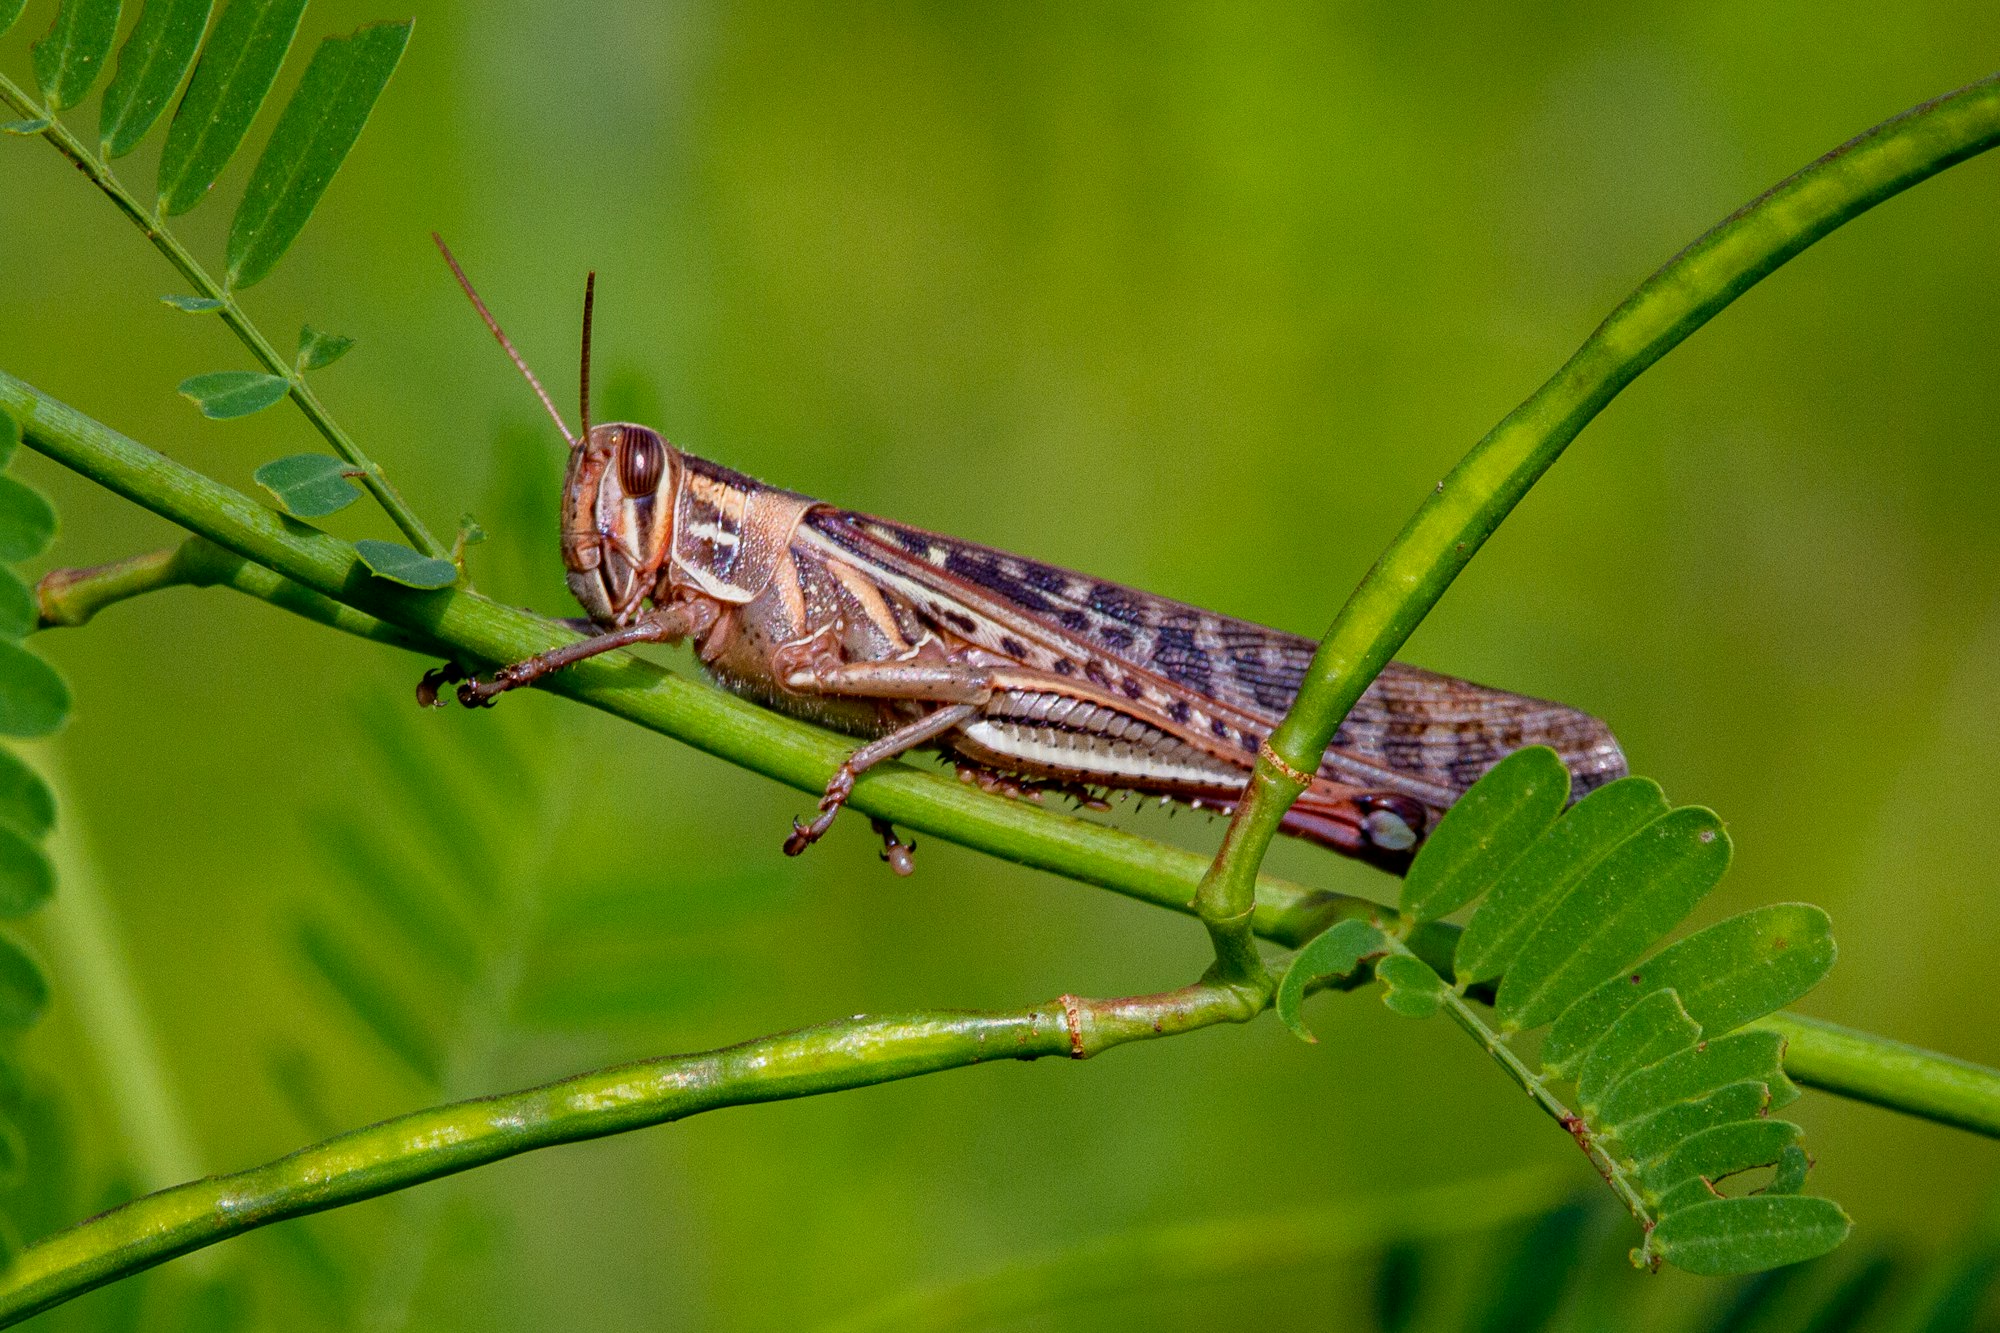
618 518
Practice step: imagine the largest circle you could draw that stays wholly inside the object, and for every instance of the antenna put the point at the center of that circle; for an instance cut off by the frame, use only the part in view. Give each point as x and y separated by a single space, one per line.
494 326
583 386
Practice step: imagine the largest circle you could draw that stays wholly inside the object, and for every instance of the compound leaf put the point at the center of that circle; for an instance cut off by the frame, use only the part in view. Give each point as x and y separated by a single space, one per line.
1334 952
27 522
318 350
1750 1234
1619 908
1549 870
1485 832
308 485
68 60
399 564
230 83
1733 971
1649 1032
223 395
151 65
313 137
33 698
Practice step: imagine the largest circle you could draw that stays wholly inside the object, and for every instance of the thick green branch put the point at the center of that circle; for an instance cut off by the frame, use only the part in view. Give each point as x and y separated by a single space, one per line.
1454 522
99 173
442 1141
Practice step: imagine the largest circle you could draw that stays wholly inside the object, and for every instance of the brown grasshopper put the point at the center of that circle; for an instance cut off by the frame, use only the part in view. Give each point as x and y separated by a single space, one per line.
1029 676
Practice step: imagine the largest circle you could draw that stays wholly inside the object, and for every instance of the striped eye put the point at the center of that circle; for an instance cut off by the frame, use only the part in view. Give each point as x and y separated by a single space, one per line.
642 460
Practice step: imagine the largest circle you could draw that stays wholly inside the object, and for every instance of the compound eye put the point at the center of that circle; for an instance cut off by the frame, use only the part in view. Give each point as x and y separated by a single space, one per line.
642 461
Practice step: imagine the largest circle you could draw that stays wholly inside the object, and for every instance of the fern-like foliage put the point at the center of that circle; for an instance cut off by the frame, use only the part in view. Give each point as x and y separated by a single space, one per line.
34 702
1670 1093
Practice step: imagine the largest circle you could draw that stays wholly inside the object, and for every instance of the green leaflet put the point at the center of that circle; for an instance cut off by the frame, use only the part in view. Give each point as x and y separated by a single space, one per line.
1723 1151
10 13
1736 970
26 804
27 522
399 564
10 436
18 613
235 74
1334 952
33 699
68 60
308 485
1619 908
1650 1031
313 137
151 65
1409 987
1549 870
26 879
223 395
1750 1234
1485 832
24 991
1692 1074
318 350
1659 1134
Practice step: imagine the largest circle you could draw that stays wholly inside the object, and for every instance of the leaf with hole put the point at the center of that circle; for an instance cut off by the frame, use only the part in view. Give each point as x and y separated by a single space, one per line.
1718 1153
1750 1234
27 522
151 65
314 134
26 879
24 990
193 305
26 804
1334 952
319 350
1409 987
399 564
1742 968
68 60
308 485
18 612
1692 1074
1618 909
223 395
1485 832
237 67
1539 879
34 701
1649 1032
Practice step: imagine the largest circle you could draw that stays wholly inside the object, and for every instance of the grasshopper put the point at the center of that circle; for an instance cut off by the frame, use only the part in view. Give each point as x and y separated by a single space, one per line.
1029 676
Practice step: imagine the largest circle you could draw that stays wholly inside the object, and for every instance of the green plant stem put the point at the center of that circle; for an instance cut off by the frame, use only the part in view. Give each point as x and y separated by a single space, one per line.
99 173
1188 1254
68 598
1888 1073
1454 521
444 1140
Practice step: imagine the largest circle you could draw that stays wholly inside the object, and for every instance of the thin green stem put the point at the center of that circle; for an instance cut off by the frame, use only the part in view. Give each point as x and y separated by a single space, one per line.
1455 520
155 228
444 1140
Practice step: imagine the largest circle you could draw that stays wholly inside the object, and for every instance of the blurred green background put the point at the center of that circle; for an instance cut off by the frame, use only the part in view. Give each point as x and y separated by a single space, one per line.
1199 297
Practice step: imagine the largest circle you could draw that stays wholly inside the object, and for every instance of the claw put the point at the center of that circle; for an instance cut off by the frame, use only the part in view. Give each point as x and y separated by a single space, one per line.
435 680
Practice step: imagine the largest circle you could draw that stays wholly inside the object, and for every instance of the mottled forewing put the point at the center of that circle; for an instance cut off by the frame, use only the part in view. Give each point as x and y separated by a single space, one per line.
1414 730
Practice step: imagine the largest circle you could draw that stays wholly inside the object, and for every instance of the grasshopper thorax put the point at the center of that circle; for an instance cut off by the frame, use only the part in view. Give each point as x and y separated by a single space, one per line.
618 518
